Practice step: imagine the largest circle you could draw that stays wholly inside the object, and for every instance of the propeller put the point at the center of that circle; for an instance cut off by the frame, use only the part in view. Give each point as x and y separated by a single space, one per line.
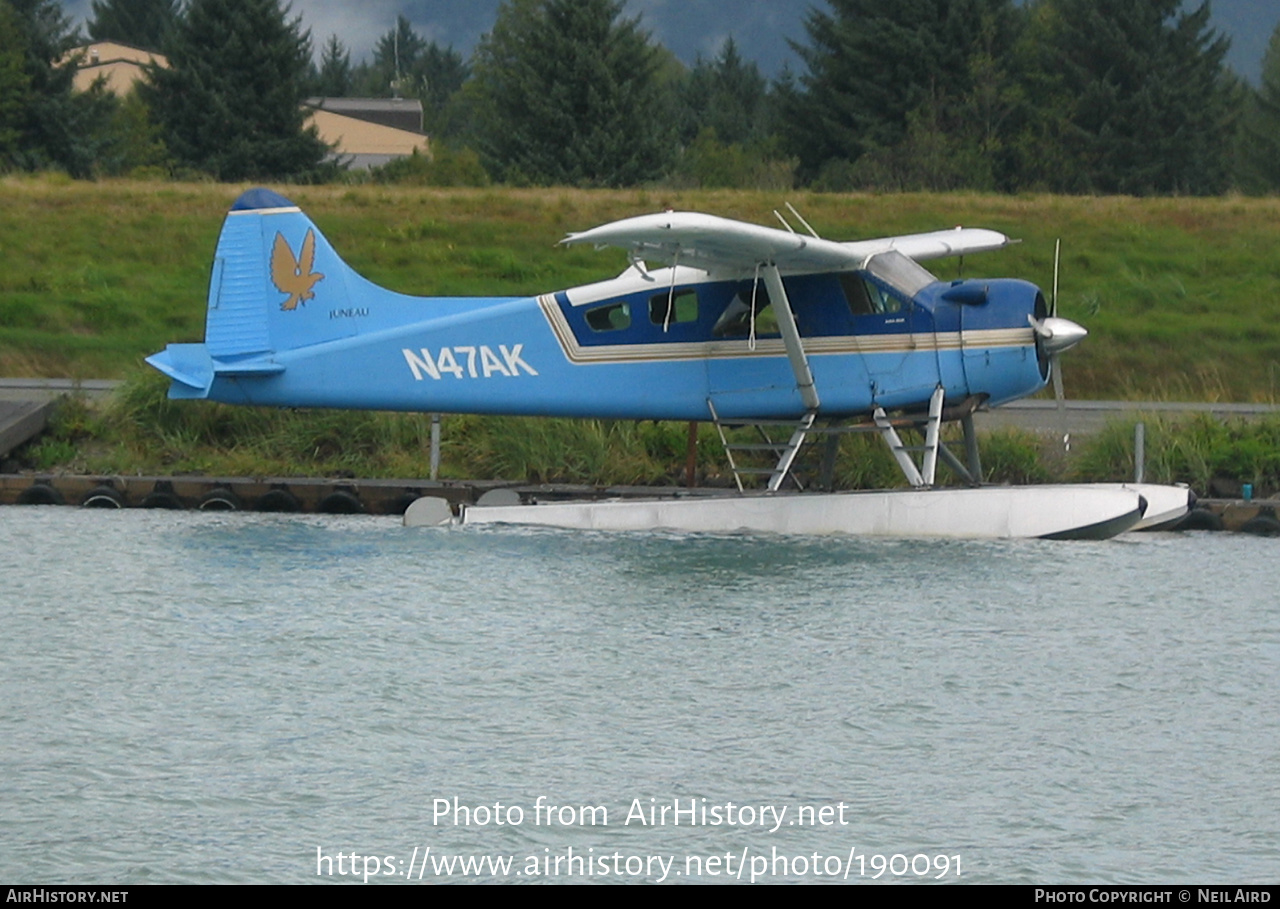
1053 336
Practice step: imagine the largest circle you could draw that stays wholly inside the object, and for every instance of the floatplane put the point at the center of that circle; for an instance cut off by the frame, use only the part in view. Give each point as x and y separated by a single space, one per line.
713 320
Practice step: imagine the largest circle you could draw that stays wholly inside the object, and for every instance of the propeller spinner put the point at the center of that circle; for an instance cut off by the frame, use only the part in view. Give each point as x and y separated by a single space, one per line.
1056 334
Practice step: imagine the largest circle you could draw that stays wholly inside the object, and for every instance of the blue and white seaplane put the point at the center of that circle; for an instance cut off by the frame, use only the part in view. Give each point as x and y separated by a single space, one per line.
741 325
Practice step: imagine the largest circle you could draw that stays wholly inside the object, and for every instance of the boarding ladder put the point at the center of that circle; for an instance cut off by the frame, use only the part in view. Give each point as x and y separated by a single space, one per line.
924 474
785 450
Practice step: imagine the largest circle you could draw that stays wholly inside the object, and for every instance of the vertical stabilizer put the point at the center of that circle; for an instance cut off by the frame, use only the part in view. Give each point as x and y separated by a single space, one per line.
274 276
236 320
275 280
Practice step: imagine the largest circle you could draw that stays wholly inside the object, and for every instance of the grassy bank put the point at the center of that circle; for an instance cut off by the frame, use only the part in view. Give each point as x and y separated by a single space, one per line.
140 431
1181 296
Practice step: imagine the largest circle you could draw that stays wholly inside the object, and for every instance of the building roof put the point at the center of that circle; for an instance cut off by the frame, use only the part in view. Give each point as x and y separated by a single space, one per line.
399 113
354 105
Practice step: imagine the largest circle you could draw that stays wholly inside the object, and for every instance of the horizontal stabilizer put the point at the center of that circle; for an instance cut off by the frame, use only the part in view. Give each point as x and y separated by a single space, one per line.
189 366
193 370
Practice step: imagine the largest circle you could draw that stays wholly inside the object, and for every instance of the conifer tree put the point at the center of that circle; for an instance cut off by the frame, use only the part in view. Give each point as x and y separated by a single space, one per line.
334 79
229 104
14 86
1260 140
725 94
566 93
873 65
394 57
56 127
1142 100
142 23
406 65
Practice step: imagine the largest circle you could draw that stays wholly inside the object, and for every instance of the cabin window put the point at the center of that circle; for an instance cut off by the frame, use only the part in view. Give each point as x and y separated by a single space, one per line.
856 294
735 321
683 308
613 317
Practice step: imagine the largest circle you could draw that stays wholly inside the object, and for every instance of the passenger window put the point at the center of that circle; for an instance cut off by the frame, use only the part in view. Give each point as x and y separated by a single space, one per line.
735 321
613 317
685 308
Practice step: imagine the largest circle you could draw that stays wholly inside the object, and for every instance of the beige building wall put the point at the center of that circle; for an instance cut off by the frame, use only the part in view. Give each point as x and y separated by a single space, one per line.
120 64
369 144
362 143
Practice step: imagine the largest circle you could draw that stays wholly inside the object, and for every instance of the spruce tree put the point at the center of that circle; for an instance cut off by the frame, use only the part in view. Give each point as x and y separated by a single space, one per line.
1260 139
1142 100
229 105
566 92
394 57
725 94
406 65
334 79
142 23
14 86
56 127
872 65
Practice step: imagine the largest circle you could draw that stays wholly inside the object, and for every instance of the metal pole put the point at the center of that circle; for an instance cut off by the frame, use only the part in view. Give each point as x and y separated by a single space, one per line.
691 456
1139 452
971 449
435 446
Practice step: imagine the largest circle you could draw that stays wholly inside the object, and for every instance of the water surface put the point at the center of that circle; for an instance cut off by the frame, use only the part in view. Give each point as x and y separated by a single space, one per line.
192 697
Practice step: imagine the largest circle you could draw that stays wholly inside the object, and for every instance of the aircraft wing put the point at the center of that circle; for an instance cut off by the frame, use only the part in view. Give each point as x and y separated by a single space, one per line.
713 243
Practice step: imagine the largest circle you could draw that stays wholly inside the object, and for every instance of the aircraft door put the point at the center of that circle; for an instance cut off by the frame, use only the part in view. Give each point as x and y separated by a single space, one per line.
888 333
753 377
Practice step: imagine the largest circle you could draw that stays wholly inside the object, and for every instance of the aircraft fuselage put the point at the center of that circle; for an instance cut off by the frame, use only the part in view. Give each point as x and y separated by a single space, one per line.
301 328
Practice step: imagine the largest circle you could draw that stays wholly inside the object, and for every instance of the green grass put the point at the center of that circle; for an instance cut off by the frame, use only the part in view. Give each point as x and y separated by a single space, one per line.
140 431
1181 296
1199 450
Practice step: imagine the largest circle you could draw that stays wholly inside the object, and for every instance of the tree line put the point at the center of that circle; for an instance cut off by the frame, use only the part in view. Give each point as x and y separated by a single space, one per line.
1072 96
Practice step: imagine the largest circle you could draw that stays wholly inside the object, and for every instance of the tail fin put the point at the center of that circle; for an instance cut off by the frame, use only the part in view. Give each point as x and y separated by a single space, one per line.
274 278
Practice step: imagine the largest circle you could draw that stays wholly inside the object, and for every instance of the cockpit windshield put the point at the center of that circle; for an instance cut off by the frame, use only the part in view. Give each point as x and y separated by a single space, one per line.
899 272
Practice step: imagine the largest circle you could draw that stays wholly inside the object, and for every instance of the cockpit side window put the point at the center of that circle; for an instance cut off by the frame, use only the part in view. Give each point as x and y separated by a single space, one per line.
867 298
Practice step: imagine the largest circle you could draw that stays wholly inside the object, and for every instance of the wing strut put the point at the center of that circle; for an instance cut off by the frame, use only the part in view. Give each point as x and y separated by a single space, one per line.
791 337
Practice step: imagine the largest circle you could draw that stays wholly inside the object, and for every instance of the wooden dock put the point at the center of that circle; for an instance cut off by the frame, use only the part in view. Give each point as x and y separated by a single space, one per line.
336 495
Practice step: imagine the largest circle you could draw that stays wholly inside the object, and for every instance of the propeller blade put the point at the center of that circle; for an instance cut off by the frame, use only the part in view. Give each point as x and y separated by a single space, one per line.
1057 259
1055 371
1056 336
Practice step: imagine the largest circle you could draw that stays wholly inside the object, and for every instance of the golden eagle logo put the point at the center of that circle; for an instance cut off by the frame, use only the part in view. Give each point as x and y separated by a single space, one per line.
294 276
